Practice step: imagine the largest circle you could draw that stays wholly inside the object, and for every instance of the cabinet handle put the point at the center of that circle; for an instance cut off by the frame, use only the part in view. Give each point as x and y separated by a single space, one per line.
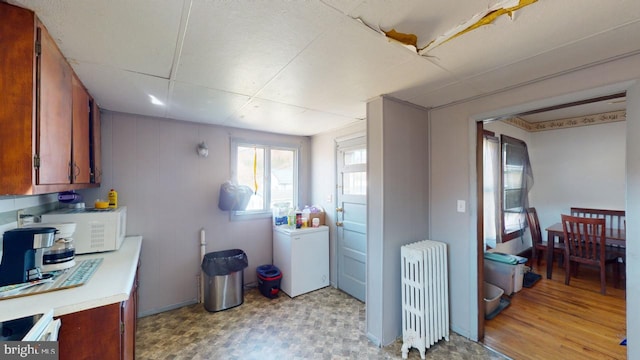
339 209
76 171
339 223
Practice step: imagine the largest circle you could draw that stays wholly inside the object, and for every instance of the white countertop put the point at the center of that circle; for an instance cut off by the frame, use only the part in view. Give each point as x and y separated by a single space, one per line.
111 283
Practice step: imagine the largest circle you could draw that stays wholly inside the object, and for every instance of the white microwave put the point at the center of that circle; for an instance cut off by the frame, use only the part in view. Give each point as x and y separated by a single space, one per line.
97 230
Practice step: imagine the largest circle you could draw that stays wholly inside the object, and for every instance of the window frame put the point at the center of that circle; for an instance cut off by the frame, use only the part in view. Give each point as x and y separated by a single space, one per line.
268 146
506 140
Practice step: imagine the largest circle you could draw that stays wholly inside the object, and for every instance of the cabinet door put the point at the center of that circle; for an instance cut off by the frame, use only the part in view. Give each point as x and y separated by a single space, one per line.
53 113
91 334
129 313
16 108
81 166
96 152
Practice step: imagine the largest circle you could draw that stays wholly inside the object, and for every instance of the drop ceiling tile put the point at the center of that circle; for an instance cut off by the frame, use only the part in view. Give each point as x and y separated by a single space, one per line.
534 30
124 91
239 46
264 115
199 104
344 67
431 97
622 40
408 80
343 6
425 19
132 35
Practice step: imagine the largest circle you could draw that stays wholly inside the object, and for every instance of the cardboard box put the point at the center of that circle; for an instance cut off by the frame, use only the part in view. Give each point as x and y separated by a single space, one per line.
319 215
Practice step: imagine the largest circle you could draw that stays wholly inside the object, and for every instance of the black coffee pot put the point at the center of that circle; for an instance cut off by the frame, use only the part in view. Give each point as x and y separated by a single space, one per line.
18 264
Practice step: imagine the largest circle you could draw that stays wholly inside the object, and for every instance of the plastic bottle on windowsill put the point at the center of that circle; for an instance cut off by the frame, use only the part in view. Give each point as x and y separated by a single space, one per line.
298 218
306 212
291 218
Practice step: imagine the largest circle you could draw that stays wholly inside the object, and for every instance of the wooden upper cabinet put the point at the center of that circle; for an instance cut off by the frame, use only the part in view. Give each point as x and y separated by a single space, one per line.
81 151
45 116
53 111
17 76
96 152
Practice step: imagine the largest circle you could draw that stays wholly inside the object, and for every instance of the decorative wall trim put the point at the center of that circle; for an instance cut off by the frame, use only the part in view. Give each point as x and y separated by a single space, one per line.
596 119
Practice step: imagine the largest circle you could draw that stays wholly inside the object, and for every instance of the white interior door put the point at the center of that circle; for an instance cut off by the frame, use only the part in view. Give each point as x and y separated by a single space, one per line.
352 217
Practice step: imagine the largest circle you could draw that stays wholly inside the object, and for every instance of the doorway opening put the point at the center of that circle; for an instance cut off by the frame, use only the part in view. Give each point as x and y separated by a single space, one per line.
553 135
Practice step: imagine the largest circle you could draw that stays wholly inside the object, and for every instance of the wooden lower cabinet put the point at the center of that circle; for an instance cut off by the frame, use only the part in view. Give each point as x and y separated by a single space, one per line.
106 332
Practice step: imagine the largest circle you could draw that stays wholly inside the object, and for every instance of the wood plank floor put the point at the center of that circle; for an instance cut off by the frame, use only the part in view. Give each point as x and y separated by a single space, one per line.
554 321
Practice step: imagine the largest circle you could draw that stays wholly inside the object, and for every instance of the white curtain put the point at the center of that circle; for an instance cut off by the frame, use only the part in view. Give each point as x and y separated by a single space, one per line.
491 176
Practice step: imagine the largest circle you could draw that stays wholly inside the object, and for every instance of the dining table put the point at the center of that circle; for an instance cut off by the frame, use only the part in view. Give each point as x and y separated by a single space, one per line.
614 237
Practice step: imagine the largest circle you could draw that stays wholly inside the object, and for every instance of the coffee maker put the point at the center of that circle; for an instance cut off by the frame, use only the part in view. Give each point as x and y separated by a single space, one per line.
19 261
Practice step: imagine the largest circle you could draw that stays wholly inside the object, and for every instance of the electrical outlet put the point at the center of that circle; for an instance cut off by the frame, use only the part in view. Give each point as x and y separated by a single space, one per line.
461 206
20 217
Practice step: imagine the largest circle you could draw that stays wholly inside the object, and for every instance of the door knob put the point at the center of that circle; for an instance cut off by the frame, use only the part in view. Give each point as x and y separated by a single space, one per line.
338 223
339 209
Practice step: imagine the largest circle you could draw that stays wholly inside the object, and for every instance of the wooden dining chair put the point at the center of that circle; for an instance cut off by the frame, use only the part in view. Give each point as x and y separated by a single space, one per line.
540 246
585 243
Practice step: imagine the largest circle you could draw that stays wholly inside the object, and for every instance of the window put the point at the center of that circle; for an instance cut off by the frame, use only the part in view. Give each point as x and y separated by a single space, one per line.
517 180
354 174
270 170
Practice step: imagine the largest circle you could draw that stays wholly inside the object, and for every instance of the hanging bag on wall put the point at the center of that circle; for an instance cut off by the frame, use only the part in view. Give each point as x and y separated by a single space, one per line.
234 197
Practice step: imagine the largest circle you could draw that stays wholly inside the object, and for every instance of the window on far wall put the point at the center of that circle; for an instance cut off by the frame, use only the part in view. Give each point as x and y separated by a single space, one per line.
517 180
270 170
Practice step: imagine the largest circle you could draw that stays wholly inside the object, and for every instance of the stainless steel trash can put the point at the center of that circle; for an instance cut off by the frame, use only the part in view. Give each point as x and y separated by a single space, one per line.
224 282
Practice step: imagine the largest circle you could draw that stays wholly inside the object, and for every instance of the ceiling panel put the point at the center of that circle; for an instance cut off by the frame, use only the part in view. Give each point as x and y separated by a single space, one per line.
240 46
133 35
588 50
425 19
200 104
271 116
429 97
342 68
539 28
124 91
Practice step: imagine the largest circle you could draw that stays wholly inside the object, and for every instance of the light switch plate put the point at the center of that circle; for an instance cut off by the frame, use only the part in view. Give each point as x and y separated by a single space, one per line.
461 206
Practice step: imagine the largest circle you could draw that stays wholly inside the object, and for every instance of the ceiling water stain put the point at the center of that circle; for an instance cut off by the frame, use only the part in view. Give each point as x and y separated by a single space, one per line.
499 8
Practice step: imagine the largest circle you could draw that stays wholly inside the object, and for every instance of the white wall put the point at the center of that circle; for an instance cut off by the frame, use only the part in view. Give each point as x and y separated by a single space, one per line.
453 174
324 180
633 221
572 167
578 167
171 194
397 211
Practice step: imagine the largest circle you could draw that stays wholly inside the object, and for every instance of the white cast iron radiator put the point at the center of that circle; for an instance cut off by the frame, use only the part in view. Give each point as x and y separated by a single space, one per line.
425 295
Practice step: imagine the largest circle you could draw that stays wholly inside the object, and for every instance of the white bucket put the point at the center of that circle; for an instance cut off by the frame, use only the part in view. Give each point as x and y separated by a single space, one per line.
492 295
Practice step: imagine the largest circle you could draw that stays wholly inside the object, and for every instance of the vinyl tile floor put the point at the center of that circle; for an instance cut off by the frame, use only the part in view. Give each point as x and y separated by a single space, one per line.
324 324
